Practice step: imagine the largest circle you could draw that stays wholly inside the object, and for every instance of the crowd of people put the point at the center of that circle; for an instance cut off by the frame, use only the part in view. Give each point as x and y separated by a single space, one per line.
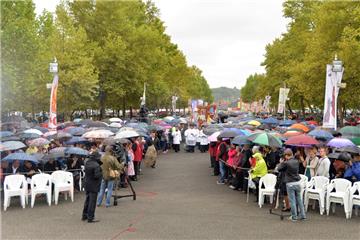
235 164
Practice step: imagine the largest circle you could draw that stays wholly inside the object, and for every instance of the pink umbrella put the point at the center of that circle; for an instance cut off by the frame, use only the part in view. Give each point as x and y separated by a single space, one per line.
213 137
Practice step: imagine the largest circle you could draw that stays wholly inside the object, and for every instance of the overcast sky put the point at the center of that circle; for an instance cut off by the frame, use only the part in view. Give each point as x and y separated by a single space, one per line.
226 39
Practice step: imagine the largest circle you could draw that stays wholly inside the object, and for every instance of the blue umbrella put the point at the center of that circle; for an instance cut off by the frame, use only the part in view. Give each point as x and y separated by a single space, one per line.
321 134
29 136
20 157
6 134
12 145
76 151
240 140
77 140
238 131
270 120
76 131
286 122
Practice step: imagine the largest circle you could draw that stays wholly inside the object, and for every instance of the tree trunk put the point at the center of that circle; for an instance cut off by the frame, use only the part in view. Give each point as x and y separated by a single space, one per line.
123 108
289 107
309 105
86 114
131 112
302 106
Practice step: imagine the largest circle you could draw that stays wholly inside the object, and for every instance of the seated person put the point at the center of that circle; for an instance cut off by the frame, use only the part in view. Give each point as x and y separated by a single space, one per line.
74 166
29 170
352 172
13 168
258 171
51 166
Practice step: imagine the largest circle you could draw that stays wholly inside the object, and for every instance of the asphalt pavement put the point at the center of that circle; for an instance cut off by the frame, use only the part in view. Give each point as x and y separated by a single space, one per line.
179 199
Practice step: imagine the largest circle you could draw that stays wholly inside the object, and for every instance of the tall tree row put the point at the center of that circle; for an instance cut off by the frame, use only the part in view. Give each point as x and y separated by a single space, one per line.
106 51
317 31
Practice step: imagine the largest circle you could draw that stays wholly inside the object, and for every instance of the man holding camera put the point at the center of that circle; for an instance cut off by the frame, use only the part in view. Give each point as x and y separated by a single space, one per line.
290 166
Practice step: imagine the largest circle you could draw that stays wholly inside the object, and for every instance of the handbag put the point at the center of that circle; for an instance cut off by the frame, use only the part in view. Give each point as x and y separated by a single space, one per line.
113 173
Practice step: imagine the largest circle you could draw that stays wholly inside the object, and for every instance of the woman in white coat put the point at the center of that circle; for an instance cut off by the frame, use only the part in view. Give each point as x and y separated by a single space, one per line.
176 139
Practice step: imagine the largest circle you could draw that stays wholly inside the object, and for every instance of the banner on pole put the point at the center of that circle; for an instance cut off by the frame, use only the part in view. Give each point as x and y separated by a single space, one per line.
53 99
266 103
283 94
333 79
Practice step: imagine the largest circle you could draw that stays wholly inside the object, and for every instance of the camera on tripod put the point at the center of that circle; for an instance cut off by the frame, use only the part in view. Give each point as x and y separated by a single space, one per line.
119 151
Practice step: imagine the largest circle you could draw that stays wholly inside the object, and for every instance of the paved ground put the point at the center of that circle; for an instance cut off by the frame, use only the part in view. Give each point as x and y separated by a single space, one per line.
177 200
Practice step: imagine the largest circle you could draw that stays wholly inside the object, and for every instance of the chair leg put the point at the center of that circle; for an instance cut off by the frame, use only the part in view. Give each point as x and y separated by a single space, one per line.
56 196
333 207
48 195
72 194
6 200
32 199
22 197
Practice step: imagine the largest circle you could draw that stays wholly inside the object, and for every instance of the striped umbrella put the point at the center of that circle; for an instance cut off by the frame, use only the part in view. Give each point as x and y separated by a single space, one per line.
265 139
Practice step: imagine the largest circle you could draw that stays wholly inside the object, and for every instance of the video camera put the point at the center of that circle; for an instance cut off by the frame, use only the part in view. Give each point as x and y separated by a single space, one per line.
119 151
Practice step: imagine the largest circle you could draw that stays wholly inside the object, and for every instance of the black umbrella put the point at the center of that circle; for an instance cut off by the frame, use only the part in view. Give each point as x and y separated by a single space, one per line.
228 134
353 150
240 140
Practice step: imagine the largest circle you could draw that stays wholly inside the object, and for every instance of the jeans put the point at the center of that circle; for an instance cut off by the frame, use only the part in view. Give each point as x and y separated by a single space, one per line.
295 199
223 171
109 185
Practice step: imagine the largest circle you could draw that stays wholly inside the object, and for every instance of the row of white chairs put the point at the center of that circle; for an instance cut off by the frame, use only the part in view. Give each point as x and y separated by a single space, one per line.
318 188
17 185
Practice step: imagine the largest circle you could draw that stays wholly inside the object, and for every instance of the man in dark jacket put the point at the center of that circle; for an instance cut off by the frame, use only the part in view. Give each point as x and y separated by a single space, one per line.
293 186
93 177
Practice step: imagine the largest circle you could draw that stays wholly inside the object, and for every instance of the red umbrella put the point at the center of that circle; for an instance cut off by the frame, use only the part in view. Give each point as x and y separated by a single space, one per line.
301 141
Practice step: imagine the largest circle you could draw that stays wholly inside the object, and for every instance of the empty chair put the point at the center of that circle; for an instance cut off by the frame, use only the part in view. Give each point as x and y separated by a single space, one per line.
354 197
267 187
316 189
304 181
341 195
41 184
15 185
63 182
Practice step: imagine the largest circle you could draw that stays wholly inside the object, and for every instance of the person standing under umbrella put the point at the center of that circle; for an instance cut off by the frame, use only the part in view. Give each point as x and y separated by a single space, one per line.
137 149
323 166
93 177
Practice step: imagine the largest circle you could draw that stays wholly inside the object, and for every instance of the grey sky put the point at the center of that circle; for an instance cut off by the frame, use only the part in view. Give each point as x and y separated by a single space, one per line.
226 39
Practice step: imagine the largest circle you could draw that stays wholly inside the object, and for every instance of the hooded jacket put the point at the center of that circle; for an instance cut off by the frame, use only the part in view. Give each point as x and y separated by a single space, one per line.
93 173
260 168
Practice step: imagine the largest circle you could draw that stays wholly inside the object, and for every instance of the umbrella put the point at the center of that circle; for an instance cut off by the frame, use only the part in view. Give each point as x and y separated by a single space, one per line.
12 145
115 125
50 133
37 142
77 140
240 140
352 149
350 132
340 143
126 134
42 129
228 134
63 136
265 139
98 134
166 126
29 135
91 123
10 138
264 126
75 131
76 151
155 128
213 137
20 157
250 127
182 120
77 120
292 133
5 134
115 120
270 120
300 126
32 130
254 123
238 131
301 141
356 141
57 152
159 121
321 134
334 155
168 119
286 122
312 122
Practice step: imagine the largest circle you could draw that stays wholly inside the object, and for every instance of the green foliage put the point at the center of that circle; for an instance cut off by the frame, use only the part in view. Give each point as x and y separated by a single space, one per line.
106 51
316 32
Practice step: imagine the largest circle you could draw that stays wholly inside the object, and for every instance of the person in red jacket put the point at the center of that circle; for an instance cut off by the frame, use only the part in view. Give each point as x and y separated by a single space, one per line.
216 159
212 149
222 156
138 155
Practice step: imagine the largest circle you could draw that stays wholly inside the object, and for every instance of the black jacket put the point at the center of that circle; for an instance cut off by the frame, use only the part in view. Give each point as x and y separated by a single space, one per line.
93 173
291 169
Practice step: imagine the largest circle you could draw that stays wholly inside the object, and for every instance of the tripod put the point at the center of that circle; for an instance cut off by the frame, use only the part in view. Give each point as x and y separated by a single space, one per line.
278 198
116 196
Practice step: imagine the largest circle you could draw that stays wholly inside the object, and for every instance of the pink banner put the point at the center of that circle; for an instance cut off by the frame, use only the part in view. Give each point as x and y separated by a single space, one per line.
53 99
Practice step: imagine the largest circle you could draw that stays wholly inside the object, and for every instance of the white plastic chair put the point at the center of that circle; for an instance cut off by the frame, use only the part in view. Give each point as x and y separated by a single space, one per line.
82 176
269 182
249 186
341 195
354 199
41 184
15 185
304 182
316 189
63 182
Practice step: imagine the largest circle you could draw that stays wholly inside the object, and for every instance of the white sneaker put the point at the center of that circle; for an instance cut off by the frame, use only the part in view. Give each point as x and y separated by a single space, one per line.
220 183
232 187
